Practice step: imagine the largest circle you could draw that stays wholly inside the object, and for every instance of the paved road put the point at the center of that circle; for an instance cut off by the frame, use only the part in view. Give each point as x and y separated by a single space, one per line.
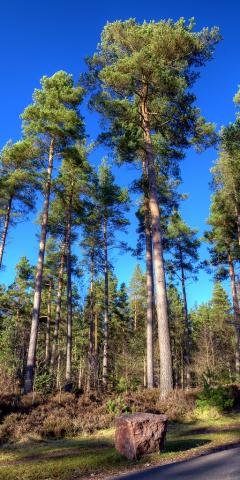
223 465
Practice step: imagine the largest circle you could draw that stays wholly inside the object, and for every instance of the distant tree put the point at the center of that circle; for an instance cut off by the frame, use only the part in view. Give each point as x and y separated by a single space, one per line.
226 171
213 333
224 254
14 322
183 264
112 202
137 292
72 184
93 261
177 334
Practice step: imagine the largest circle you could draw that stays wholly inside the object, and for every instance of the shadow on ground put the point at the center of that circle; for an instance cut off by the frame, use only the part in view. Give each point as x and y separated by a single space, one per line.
184 444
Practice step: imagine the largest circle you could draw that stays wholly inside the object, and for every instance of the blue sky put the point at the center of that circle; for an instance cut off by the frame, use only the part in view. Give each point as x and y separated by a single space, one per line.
41 37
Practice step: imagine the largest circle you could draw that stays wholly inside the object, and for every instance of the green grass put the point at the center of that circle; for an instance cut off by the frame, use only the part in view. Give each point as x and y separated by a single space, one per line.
79 457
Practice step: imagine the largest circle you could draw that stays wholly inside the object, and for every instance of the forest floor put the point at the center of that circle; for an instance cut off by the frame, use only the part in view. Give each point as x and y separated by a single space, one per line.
94 456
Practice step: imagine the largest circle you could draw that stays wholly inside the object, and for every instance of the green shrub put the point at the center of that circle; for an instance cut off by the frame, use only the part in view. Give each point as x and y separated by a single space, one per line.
218 397
42 382
122 385
117 406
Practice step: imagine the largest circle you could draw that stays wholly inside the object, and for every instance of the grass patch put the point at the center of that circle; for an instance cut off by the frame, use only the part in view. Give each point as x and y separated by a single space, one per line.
78 457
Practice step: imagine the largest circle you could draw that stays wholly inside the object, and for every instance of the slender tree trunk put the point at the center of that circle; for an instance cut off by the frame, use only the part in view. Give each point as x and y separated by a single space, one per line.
91 327
96 363
69 299
145 385
235 313
149 285
135 313
48 327
5 230
166 384
106 312
58 306
31 360
186 354
96 334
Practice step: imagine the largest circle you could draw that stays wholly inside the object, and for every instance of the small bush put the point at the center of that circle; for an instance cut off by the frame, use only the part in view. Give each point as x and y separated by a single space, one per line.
8 428
219 398
42 383
117 406
56 426
122 385
178 405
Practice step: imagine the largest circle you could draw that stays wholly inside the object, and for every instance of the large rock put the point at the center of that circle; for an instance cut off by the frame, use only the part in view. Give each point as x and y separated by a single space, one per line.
140 433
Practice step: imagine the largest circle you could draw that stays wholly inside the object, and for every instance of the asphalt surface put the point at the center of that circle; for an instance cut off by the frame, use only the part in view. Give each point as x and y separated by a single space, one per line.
222 465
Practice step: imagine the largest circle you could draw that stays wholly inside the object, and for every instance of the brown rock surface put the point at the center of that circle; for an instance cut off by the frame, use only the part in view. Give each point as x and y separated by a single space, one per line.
139 434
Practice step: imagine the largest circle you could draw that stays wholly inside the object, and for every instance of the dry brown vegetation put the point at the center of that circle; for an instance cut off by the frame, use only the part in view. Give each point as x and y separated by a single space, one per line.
70 414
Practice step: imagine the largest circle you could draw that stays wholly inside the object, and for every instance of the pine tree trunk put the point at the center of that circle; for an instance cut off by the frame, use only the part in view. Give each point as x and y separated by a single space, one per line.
186 354
31 360
135 313
48 327
5 230
149 285
69 300
91 328
166 384
235 313
96 334
150 308
58 306
96 362
106 312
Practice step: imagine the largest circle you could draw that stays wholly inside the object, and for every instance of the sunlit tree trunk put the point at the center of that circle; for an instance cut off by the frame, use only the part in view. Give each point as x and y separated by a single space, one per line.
235 313
58 306
5 230
69 298
166 384
48 326
31 360
149 285
106 309
91 327
186 350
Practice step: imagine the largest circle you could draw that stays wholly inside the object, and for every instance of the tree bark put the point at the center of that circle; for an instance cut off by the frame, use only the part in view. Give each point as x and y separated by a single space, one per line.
58 306
166 384
106 310
96 360
69 299
135 313
5 229
31 360
96 334
48 327
91 328
186 354
235 313
150 288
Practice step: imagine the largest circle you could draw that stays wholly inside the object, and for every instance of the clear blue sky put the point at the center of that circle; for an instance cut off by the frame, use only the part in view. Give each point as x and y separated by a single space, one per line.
40 37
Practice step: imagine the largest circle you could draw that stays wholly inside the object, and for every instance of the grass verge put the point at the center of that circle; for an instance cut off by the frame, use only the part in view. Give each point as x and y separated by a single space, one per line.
94 456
